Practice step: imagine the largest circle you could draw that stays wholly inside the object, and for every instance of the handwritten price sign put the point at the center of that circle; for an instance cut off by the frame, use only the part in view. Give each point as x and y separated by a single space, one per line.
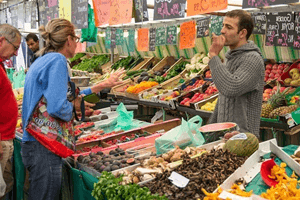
196 7
115 14
187 35
152 37
131 40
262 3
203 27
141 12
297 31
260 23
101 11
169 9
143 39
171 35
52 3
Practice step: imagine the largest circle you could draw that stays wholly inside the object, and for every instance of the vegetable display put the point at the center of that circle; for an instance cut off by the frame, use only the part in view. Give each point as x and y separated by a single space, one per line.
198 63
77 56
91 64
140 87
127 63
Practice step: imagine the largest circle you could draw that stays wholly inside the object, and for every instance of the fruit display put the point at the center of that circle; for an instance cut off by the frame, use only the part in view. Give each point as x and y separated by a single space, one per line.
196 85
170 96
85 125
92 64
207 74
198 63
210 106
198 96
116 159
212 132
206 171
274 71
242 147
294 78
268 92
86 149
126 138
141 86
149 94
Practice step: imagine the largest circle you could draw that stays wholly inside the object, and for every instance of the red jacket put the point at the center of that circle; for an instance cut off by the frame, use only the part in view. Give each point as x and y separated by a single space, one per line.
8 107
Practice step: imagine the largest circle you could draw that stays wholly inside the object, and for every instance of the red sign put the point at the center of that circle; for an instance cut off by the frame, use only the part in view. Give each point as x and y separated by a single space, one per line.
101 11
187 35
143 39
197 7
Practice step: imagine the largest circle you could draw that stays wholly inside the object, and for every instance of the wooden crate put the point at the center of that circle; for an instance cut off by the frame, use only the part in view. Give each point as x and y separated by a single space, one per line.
115 89
170 60
106 68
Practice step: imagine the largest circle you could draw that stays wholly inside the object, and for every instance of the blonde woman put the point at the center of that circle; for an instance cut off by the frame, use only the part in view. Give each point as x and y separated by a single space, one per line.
48 76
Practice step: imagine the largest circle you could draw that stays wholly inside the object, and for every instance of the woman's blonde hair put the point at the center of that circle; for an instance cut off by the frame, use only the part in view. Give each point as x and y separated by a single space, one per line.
55 34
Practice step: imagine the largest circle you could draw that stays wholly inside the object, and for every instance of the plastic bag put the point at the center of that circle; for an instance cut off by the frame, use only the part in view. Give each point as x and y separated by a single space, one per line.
187 134
124 120
19 79
89 34
2 184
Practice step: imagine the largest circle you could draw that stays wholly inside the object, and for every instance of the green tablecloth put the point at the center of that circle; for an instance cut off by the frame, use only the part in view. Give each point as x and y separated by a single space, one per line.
257 184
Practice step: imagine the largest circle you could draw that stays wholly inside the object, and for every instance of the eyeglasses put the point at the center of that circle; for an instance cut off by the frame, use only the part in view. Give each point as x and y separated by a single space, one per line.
77 39
16 48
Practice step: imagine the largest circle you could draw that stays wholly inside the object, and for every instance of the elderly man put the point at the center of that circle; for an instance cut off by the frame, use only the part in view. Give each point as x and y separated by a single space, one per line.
10 39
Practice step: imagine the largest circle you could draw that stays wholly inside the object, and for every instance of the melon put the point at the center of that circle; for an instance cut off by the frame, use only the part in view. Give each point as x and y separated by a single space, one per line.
243 144
213 132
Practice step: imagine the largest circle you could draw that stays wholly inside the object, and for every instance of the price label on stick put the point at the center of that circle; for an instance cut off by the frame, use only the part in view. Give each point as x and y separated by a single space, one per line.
260 23
160 36
152 37
143 39
203 27
171 36
216 24
131 40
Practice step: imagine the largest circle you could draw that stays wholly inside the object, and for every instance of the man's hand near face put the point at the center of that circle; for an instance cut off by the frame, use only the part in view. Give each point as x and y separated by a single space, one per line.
217 45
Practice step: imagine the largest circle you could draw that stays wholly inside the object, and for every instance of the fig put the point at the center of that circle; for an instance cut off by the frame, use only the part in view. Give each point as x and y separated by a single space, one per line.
103 117
122 166
114 167
131 161
123 161
100 153
97 166
107 163
112 152
116 163
79 159
108 169
92 154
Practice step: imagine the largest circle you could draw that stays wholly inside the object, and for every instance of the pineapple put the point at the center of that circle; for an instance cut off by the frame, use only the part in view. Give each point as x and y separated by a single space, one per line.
283 111
277 100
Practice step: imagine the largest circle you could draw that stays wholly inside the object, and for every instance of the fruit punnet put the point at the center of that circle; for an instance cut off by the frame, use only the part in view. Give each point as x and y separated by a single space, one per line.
243 144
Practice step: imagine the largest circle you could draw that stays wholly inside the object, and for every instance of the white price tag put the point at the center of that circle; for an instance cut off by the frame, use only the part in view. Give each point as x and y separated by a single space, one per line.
178 180
240 136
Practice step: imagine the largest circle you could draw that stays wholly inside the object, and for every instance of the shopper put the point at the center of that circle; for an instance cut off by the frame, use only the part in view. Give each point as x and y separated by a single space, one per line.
10 39
48 76
240 80
33 44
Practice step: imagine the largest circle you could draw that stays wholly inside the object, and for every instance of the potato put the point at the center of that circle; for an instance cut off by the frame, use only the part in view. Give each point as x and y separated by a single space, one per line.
292 71
287 81
227 136
294 83
295 76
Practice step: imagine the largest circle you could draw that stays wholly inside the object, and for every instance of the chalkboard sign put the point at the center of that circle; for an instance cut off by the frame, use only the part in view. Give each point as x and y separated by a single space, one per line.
42 12
80 13
171 36
262 3
260 23
297 31
107 38
46 13
152 38
280 29
216 24
203 27
119 37
160 36
131 40
141 11
113 38
169 9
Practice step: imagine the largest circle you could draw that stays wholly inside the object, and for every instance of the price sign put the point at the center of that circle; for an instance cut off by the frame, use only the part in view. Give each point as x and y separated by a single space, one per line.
169 9
65 11
80 13
141 11
262 3
280 29
126 11
203 27
107 38
101 11
196 7
119 37
171 36
216 24
260 23
143 39
187 35
160 36
152 38
297 31
131 40
113 38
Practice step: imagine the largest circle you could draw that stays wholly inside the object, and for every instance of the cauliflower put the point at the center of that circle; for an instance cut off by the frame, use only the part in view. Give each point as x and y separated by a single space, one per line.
205 60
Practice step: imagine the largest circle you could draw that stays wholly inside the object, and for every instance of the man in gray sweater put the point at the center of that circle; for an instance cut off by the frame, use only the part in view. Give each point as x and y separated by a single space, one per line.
240 80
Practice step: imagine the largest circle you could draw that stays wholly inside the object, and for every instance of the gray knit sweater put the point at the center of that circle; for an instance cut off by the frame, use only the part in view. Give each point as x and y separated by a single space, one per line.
240 83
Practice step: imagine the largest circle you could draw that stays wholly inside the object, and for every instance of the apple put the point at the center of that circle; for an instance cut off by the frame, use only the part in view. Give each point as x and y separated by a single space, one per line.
270 79
272 75
298 66
268 91
277 75
268 71
279 71
274 71
275 67
266 78
269 66
281 66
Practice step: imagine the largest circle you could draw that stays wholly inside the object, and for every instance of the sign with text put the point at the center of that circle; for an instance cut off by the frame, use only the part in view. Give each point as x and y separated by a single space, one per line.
196 7
260 22
114 15
107 38
113 38
143 39
52 3
101 11
203 27
216 24
171 36
280 29
187 35
80 13
141 11
152 38
65 11
119 37
126 11
131 40
262 3
297 31
160 36
169 9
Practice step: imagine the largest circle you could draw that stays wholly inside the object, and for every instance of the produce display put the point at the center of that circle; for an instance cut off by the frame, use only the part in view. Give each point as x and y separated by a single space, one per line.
269 92
198 96
91 64
274 71
132 74
77 56
152 93
85 125
126 138
127 63
210 106
235 189
141 86
294 78
206 171
197 84
296 155
207 74
171 96
198 63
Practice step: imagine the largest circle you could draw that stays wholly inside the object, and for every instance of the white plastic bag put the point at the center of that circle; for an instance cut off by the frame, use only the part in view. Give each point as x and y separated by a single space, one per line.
2 184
